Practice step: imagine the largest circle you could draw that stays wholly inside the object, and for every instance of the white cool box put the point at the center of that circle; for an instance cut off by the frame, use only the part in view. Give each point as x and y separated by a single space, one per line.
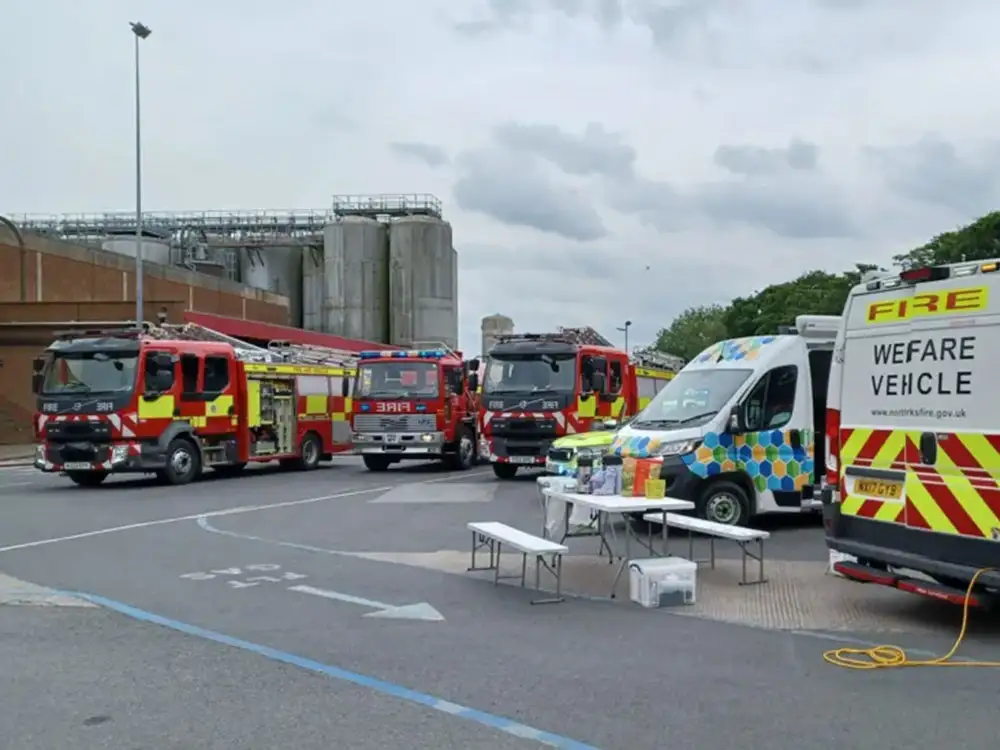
662 581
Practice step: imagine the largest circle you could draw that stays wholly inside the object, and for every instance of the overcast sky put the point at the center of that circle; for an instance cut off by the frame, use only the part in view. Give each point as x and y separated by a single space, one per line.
600 160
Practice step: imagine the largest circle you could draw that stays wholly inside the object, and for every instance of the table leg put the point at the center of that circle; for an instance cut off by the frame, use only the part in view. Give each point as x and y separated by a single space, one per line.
666 552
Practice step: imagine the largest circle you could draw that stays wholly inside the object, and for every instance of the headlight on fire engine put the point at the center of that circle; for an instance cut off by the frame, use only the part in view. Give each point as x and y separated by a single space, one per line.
427 437
676 448
40 452
119 453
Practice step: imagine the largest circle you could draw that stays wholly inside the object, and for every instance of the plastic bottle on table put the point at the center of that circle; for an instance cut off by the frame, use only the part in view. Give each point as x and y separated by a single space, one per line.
612 475
584 471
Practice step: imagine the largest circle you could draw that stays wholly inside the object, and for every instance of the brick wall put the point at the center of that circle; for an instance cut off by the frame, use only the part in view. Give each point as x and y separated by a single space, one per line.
66 282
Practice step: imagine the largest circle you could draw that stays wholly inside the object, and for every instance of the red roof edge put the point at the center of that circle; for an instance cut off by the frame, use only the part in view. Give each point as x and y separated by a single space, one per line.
252 329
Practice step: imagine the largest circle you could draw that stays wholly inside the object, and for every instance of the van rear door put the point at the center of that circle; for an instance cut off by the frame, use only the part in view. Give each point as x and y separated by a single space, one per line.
946 375
872 468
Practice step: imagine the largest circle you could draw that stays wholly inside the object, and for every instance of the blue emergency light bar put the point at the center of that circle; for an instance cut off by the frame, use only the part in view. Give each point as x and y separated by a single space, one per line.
404 354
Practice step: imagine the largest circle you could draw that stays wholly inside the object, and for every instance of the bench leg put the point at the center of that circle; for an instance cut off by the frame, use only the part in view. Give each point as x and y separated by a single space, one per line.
690 545
759 557
478 545
524 567
496 569
556 571
711 551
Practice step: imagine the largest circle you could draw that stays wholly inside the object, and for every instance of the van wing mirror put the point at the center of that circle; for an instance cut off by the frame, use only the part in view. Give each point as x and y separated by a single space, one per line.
736 425
472 365
345 386
473 382
36 383
37 365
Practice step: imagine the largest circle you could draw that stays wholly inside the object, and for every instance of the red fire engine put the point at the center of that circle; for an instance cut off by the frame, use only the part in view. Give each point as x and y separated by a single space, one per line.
539 387
174 400
417 404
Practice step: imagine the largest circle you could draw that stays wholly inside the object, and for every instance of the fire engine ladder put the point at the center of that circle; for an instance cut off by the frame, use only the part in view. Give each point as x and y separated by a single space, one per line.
657 360
310 354
435 345
194 332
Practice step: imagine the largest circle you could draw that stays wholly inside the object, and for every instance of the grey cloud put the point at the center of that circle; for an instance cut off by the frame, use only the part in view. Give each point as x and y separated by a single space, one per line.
595 152
665 21
431 155
793 210
790 210
932 172
756 160
509 190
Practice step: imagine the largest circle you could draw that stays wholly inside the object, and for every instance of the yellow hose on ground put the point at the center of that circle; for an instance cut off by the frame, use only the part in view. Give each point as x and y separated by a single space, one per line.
887 657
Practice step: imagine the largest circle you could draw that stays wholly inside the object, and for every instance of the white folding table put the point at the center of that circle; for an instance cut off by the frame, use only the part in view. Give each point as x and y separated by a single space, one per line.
612 505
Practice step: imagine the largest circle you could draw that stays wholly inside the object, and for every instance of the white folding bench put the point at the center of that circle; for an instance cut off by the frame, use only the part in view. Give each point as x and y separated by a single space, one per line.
743 537
493 535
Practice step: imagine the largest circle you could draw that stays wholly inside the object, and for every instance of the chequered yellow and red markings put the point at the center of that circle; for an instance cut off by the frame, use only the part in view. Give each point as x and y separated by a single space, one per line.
960 494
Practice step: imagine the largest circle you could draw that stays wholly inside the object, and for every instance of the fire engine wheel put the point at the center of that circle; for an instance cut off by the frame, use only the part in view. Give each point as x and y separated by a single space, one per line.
725 503
505 471
376 463
464 456
310 453
183 462
87 478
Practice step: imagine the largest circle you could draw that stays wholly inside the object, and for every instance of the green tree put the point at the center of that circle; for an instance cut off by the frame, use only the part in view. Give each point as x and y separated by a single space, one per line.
692 331
978 241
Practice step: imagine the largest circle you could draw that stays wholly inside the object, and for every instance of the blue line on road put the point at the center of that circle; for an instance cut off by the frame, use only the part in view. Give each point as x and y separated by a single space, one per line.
336 673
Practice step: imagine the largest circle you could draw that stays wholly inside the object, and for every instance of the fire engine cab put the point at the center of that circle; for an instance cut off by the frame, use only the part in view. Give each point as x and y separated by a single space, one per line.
175 400
540 387
417 404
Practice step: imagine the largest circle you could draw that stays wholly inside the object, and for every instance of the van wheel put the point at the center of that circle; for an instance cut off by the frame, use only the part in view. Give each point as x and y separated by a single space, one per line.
504 471
725 503
464 456
87 478
183 462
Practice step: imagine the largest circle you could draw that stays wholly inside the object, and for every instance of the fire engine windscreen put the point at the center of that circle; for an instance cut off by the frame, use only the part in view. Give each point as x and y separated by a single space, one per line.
398 380
530 373
691 398
90 372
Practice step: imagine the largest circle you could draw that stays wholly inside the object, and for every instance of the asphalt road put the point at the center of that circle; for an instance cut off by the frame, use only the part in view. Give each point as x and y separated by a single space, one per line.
220 640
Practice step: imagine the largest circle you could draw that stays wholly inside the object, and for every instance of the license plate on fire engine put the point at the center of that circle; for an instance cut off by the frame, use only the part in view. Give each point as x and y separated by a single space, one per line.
522 459
77 466
392 438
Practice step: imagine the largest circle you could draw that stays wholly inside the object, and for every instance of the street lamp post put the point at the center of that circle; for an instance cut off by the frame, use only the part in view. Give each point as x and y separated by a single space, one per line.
624 329
140 32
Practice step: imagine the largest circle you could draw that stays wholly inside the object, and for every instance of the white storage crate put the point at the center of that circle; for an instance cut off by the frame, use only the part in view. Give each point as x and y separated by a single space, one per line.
662 581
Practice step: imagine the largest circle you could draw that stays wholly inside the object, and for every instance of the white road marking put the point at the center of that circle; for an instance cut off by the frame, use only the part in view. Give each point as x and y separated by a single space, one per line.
419 611
456 492
15 484
226 512
191 517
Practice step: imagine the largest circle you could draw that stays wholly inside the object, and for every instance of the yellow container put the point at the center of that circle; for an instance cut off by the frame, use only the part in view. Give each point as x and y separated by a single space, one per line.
656 489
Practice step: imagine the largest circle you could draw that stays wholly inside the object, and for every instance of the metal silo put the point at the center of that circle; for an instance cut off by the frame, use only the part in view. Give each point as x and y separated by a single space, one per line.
355 279
275 269
313 286
492 327
423 282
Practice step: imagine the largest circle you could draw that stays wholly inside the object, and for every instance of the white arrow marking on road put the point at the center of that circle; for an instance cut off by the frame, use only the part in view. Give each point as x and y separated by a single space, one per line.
420 611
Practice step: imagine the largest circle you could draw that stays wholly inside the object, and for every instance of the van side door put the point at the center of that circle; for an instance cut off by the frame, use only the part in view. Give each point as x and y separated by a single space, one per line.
776 457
